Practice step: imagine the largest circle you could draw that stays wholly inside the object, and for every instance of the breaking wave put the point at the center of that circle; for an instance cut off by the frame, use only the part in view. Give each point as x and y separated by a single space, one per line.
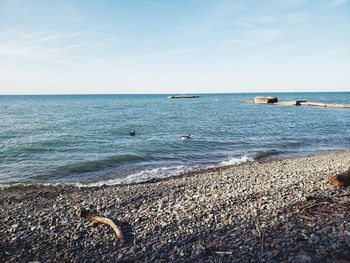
233 161
250 157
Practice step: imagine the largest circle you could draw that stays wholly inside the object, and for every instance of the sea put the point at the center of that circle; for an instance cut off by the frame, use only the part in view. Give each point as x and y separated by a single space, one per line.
84 139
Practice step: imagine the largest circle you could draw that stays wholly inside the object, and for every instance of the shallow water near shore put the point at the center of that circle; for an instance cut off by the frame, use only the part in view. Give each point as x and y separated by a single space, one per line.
84 138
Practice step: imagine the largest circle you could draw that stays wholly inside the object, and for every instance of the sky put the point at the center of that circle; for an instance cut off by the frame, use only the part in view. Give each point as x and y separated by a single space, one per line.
173 46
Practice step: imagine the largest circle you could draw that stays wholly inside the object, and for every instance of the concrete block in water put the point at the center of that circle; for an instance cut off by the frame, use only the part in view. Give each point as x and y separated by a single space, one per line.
292 103
265 99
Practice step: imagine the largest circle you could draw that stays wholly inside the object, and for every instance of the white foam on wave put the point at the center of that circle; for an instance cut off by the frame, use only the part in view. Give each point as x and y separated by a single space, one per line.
138 177
142 176
233 161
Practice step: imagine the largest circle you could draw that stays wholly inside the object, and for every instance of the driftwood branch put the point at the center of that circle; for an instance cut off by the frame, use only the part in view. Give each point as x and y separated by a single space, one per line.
104 220
313 205
261 236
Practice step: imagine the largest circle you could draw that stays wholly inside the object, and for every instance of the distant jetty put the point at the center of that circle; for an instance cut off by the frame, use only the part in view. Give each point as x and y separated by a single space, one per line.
274 101
183 97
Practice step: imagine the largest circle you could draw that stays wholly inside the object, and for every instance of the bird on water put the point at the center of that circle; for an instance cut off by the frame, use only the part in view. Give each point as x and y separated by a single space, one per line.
185 137
133 133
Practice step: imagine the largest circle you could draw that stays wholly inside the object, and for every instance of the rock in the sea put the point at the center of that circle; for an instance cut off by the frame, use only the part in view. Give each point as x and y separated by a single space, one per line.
265 99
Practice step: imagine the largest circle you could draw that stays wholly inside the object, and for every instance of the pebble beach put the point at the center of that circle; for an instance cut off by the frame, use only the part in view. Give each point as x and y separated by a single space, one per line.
278 210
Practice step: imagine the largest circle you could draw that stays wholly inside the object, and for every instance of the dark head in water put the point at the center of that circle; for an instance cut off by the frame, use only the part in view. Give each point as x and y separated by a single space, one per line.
133 133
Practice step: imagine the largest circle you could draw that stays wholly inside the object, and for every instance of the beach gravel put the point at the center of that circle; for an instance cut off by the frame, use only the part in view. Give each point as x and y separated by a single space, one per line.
279 210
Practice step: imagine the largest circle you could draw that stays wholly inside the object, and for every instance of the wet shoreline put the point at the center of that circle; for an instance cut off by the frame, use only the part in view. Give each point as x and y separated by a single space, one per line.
251 212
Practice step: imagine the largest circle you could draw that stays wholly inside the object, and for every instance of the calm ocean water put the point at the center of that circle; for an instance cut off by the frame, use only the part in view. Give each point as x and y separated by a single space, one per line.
84 138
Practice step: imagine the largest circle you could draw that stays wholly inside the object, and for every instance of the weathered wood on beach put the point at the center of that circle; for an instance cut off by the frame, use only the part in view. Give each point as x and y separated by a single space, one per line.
104 220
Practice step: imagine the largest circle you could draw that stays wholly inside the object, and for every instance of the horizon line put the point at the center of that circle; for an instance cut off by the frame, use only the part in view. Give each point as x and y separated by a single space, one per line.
189 93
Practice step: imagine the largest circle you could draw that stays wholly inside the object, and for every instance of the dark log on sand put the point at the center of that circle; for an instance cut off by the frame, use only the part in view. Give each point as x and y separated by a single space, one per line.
342 179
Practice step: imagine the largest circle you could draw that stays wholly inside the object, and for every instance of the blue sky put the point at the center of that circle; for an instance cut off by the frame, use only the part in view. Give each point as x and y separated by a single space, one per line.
178 46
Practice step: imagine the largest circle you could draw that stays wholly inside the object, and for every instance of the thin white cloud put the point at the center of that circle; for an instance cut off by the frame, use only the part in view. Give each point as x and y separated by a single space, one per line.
29 51
65 62
285 47
265 35
238 43
20 36
254 37
166 54
158 5
98 60
73 46
15 50
52 37
19 47
182 28
327 66
220 11
335 3
242 24
297 17
263 19
294 3
339 50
